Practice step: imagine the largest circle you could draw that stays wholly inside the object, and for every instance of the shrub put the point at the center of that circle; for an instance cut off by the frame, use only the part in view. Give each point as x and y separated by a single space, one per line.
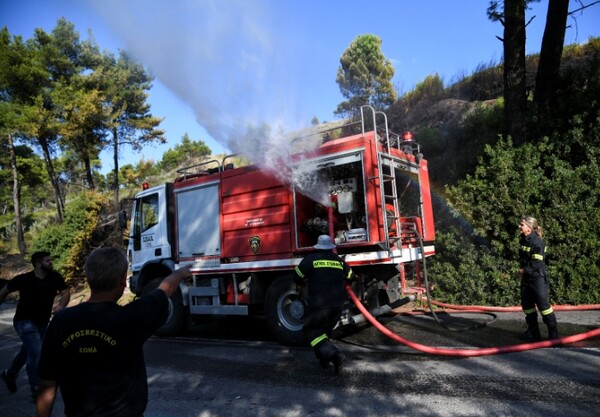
69 242
479 248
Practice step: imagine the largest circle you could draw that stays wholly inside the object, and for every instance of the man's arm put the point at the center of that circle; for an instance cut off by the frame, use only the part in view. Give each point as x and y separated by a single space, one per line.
3 293
170 284
45 399
65 296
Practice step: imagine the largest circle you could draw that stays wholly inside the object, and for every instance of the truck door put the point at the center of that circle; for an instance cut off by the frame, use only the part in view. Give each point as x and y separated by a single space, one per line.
198 226
149 238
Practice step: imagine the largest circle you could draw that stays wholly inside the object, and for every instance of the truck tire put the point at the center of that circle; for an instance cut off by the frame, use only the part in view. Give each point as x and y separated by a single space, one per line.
176 317
284 312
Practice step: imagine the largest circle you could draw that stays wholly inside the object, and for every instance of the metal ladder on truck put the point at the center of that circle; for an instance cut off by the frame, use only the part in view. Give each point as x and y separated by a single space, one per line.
404 228
387 176
387 165
389 197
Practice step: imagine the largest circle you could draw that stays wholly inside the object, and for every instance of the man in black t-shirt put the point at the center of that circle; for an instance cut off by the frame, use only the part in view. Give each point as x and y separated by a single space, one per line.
94 351
37 290
324 272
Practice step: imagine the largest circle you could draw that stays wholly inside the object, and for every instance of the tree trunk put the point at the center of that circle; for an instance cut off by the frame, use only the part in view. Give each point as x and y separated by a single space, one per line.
116 162
88 172
548 72
53 180
515 98
16 196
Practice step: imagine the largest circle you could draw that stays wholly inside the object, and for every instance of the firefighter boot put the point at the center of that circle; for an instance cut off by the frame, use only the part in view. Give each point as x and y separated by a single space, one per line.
338 360
550 321
324 351
532 334
552 332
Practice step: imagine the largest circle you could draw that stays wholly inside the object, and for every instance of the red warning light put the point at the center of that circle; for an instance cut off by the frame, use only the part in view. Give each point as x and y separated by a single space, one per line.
407 136
145 186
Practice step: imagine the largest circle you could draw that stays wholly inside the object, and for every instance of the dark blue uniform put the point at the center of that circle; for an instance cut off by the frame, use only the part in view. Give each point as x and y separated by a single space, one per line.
325 273
535 286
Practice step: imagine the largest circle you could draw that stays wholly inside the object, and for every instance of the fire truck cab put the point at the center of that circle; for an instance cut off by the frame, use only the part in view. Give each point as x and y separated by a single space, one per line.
244 229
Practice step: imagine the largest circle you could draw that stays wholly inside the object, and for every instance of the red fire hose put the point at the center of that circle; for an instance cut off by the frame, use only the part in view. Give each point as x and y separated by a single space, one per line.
516 309
467 352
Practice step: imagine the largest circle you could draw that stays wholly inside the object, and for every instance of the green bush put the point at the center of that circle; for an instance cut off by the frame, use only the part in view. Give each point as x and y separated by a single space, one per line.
69 242
477 251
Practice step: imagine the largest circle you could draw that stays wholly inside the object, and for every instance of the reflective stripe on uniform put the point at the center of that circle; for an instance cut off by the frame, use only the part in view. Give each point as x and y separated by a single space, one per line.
537 257
529 311
327 264
318 340
525 248
547 311
300 274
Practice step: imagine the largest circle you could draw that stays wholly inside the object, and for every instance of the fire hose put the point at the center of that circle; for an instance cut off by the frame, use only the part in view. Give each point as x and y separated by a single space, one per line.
470 352
510 309
465 352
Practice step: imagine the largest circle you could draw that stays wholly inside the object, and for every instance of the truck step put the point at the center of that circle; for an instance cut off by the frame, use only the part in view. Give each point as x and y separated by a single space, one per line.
225 310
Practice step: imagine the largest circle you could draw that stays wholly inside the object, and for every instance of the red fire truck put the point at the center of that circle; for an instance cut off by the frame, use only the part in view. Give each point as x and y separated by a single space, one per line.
244 229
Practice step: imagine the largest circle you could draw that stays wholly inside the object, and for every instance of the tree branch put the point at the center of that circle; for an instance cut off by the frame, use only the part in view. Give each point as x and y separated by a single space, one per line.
583 7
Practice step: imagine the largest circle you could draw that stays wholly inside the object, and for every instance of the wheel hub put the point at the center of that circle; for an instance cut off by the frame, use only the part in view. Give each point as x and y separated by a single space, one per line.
297 309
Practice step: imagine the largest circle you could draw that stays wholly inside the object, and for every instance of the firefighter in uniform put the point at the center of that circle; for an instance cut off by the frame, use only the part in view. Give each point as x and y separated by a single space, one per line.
534 281
324 272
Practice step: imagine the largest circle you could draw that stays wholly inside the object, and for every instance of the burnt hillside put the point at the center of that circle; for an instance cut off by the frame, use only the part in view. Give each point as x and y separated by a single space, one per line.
454 123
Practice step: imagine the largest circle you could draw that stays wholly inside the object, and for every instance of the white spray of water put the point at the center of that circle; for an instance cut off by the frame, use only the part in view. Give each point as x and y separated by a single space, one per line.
223 59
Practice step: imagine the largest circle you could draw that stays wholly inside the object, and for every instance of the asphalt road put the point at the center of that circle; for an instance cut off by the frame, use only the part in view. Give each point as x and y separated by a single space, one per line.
233 369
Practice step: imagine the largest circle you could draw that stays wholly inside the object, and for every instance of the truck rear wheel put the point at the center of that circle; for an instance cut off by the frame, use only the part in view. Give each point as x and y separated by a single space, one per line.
175 322
284 312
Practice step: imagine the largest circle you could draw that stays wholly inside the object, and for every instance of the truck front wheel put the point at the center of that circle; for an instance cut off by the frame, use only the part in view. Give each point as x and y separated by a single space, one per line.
284 312
175 322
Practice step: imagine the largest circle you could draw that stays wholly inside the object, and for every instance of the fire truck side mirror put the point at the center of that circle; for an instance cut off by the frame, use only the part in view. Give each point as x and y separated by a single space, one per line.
122 219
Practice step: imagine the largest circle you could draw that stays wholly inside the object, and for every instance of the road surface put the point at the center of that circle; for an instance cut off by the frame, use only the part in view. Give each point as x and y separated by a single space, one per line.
235 370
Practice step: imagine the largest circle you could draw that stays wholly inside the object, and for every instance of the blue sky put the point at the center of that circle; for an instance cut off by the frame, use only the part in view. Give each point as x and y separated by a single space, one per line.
224 67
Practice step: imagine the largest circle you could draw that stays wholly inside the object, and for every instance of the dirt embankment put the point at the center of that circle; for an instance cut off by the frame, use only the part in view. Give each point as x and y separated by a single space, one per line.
13 265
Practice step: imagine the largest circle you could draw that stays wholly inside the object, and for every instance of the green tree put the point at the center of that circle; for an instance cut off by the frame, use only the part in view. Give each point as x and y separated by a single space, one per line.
80 105
23 188
134 176
55 58
183 152
16 196
15 113
365 76
83 126
125 90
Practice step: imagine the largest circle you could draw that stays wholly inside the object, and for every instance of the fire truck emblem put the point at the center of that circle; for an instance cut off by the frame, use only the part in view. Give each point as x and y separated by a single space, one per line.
254 242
